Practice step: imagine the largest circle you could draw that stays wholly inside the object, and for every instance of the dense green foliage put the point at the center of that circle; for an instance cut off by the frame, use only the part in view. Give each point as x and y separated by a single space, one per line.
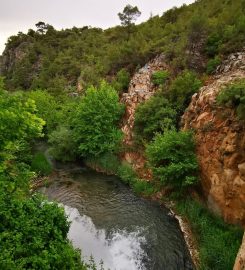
62 144
33 236
18 125
54 60
213 64
121 82
182 89
77 59
162 111
33 233
95 122
47 108
213 236
172 158
40 164
153 116
159 77
234 96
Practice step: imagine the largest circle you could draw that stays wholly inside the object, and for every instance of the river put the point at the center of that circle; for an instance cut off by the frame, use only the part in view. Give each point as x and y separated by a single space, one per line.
114 225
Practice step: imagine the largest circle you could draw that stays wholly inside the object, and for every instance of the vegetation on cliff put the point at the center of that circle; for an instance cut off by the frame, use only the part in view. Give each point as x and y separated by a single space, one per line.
33 232
71 81
189 36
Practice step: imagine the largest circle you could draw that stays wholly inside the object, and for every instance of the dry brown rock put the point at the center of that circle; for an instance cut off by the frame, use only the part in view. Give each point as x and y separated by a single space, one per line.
140 90
220 145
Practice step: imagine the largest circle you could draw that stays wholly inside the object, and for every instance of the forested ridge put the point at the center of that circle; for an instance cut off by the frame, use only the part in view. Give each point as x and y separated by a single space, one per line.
195 36
63 87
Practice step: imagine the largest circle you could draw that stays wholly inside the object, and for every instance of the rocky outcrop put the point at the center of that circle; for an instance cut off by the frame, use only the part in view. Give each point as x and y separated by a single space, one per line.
12 56
240 259
220 144
140 90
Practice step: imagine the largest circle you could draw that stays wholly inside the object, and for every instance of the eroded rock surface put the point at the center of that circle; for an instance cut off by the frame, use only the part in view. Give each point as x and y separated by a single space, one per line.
220 139
140 90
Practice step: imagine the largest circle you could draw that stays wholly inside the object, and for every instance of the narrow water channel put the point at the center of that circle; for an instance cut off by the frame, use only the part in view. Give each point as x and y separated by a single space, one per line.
111 223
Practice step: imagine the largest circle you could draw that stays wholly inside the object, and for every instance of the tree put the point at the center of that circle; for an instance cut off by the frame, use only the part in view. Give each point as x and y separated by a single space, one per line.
41 27
129 15
172 158
153 116
95 123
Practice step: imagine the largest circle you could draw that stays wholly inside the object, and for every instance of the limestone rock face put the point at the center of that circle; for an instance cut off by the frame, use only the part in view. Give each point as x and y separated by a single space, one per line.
220 144
12 56
140 90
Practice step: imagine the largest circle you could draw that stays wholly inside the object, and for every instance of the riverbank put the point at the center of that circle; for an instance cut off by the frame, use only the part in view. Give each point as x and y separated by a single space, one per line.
183 222
206 236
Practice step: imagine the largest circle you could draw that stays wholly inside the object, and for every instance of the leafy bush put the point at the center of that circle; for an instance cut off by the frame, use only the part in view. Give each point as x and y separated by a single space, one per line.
155 115
33 235
63 147
129 176
234 96
213 44
182 88
213 236
213 64
126 173
172 158
47 108
18 125
107 162
95 124
144 187
122 81
40 164
159 77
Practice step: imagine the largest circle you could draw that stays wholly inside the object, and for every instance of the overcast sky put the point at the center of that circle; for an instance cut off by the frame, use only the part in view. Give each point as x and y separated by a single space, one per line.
21 15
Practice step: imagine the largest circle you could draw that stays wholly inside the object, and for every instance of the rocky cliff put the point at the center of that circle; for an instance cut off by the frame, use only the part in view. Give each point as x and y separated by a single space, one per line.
140 89
220 143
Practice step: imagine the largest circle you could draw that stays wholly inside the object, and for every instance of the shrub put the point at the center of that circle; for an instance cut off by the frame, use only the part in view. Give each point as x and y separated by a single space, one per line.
47 108
159 77
107 162
182 88
63 147
40 164
33 235
95 124
155 115
172 158
213 64
213 236
126 173
121 81
144 187
234 96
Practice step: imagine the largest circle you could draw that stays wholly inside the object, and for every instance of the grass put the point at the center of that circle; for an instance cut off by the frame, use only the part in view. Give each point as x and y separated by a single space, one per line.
107 163
218 241
40 164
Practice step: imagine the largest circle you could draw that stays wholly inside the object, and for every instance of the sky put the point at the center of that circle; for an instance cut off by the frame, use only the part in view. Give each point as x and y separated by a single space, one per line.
21 15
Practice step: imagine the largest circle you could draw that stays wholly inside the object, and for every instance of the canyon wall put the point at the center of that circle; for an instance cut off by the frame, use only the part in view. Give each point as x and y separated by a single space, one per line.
140 90
220 143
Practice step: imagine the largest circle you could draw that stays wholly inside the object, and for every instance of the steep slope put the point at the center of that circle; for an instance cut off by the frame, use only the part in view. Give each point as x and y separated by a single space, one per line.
140 89
220 143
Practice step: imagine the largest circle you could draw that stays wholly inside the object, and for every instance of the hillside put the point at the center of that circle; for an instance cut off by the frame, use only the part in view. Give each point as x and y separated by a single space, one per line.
160 104
195 37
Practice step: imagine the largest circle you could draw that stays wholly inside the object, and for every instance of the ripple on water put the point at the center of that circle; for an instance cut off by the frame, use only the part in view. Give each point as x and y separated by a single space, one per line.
121 250
112 224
